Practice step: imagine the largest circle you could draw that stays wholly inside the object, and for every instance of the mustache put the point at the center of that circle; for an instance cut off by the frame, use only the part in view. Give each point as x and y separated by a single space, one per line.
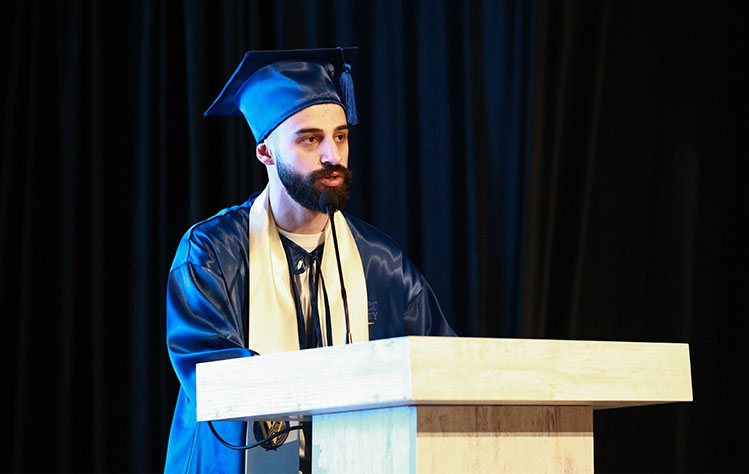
327 171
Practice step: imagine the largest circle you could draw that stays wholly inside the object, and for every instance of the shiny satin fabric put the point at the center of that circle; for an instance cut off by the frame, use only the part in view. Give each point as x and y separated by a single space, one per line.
292 85
207 320
269 86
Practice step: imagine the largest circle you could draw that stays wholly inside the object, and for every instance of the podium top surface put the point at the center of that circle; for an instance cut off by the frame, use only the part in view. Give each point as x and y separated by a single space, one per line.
419 370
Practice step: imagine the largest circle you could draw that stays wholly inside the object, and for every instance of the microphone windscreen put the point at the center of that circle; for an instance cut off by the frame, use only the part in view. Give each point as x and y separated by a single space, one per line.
328 201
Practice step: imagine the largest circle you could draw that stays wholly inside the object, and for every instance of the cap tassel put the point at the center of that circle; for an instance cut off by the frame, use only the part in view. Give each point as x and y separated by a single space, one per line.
346 84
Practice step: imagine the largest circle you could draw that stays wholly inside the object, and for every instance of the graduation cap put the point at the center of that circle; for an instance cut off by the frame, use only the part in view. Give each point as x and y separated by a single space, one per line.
270 86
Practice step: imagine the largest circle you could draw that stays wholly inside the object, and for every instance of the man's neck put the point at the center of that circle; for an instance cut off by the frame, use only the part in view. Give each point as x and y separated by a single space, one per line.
293 217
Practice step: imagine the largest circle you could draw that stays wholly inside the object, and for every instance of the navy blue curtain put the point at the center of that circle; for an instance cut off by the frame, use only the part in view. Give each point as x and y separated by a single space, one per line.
106 161
558 169
636 210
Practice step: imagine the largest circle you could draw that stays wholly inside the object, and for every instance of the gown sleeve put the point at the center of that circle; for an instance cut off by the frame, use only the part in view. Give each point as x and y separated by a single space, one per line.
202 325
205 322
207 298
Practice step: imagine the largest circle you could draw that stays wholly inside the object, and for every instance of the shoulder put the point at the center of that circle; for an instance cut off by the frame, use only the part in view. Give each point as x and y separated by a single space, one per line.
382 257
369 236
224 234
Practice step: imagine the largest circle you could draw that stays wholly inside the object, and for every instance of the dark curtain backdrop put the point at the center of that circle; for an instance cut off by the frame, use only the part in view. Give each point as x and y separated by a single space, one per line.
107 161
635 200
556 169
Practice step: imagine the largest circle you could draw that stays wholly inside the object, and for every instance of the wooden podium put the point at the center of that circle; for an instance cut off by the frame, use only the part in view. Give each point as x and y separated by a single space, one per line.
438 404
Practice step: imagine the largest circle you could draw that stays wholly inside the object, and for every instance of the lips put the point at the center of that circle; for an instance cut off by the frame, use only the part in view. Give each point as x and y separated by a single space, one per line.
332 180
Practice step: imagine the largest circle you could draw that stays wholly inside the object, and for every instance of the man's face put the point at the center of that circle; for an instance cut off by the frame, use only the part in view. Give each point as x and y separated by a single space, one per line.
311 154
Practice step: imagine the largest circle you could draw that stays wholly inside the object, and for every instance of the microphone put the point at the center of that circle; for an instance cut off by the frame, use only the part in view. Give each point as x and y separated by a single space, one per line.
329 204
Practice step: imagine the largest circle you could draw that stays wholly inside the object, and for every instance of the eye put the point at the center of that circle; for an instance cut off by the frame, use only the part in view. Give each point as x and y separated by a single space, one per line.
309 140
341 137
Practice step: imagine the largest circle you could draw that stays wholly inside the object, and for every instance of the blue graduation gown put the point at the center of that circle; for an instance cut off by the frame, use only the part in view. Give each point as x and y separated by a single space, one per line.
207 308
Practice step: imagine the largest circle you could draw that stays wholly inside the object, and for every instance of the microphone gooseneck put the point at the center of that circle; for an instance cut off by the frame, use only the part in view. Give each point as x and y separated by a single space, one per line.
328 205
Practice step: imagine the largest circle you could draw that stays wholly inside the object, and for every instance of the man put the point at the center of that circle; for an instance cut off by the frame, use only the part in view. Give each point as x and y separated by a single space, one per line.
261 277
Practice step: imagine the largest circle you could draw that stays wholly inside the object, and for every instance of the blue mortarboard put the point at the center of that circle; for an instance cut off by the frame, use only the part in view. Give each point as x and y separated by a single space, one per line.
270 86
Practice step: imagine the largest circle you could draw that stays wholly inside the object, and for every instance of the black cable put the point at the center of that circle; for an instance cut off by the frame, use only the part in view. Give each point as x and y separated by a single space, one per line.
329 204
249 446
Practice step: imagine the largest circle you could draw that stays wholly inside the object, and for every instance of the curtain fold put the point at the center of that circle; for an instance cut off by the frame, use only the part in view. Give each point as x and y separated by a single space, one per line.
557 170
635 201
106 162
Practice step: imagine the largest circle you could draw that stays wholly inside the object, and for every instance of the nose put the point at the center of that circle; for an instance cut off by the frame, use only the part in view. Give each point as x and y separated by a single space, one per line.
330 154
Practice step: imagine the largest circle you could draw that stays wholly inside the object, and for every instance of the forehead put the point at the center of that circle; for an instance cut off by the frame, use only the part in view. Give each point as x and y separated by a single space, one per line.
319 116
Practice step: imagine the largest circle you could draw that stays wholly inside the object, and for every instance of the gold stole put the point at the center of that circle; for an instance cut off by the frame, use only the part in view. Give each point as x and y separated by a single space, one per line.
273 321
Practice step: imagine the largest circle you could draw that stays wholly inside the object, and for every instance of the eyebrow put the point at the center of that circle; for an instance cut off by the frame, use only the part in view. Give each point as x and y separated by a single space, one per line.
319 130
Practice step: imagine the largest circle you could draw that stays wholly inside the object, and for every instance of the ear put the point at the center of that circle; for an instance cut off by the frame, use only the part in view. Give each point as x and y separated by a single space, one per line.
264 153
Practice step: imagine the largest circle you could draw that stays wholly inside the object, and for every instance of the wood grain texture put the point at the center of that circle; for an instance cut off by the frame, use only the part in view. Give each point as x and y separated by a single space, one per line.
552 439
544 372
436 439
442 371
295 385
369 441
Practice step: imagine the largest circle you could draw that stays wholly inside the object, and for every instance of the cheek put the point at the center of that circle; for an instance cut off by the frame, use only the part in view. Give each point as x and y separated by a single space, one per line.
298 160
343 151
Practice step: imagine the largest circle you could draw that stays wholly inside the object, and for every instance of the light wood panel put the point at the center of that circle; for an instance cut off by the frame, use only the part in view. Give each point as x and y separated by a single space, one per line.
543 372
369 441
297 384
557 439
439 371
436 439
420 404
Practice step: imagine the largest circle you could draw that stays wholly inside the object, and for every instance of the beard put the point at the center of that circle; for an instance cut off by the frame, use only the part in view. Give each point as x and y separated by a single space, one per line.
306 190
